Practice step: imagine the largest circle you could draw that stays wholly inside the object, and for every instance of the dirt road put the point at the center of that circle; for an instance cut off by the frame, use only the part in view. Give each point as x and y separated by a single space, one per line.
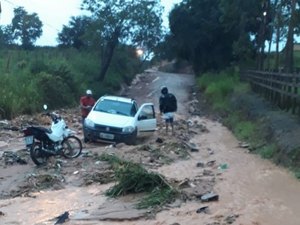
251 191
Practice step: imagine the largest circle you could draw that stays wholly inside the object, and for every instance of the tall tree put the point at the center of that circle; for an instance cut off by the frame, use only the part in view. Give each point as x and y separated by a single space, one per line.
279 26
241 19
73 34
289 46
6 35
26 28
200 37
135 22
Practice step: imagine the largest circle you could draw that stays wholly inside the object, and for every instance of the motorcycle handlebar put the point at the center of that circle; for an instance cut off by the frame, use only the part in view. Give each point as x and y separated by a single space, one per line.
53 116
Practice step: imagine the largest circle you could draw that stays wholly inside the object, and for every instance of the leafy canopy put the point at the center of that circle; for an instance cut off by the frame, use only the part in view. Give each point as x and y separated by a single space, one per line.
130 22
73 34
26 28
138 21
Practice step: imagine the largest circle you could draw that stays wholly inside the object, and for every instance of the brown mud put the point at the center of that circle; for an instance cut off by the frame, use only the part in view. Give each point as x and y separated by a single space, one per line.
202 157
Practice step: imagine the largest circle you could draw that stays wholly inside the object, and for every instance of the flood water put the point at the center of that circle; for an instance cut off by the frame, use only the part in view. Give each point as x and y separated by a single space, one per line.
253 190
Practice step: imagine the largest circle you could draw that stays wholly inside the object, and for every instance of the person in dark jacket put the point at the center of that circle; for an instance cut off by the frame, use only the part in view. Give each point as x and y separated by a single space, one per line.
167 107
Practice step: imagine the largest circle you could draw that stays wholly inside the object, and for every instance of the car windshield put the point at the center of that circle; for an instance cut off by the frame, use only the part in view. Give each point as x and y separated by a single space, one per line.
115 107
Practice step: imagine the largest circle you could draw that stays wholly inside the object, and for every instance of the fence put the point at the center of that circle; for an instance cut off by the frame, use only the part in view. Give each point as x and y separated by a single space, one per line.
280 88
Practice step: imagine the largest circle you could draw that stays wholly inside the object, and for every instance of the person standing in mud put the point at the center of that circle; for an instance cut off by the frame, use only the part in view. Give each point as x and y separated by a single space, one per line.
167 107
86 104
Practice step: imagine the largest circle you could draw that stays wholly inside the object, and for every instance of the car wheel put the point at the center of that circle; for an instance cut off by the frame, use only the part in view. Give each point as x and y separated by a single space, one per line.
132 140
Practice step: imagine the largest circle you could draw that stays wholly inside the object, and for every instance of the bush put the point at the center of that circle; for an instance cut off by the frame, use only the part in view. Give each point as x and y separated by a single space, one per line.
57 77
54 91
244 130
218 87
268 151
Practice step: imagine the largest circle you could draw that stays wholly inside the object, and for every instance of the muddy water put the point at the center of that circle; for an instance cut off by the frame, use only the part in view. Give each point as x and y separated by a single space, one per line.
256 189
252 189
43 207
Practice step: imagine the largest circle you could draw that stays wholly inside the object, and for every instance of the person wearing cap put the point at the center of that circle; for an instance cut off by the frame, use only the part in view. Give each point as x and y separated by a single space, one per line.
86 104
167 107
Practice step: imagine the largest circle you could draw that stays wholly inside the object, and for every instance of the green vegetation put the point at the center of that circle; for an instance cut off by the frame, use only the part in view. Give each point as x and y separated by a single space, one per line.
217 87
158 197
29 79
268 151
96 52
244 130
224 93
220 89
133 178
297 173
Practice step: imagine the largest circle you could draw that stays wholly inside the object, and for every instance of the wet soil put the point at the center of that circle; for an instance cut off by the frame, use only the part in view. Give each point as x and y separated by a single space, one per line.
201 157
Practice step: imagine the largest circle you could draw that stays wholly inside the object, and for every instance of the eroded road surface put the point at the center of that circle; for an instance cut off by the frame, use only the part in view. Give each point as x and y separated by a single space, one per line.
250 190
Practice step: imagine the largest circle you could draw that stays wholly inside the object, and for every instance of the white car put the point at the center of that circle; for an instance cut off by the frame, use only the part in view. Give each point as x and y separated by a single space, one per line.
115 119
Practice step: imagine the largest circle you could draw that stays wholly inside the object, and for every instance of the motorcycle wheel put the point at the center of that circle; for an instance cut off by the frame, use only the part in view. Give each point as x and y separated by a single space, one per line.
37 155
71 147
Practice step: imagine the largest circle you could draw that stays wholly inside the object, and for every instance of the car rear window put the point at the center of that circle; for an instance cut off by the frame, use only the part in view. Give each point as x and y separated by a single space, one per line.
116 107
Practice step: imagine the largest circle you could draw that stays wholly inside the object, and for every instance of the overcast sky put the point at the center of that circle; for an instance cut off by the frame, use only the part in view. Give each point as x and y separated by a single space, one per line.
54 14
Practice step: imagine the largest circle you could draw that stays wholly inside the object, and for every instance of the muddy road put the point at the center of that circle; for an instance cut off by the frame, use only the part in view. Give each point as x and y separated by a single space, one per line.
251 191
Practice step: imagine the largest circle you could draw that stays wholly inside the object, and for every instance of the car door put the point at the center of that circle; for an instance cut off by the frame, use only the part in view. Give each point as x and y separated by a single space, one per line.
146 120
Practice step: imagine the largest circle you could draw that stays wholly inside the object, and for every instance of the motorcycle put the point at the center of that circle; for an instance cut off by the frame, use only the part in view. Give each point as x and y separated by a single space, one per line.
58 140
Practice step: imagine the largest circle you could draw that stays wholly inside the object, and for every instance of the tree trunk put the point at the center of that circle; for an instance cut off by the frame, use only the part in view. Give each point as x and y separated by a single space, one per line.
277 48
262 34
269 53
276 29
108 53
289 47
260 47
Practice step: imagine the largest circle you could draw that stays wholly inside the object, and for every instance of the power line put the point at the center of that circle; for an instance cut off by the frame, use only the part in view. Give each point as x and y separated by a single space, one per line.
46 24
9 2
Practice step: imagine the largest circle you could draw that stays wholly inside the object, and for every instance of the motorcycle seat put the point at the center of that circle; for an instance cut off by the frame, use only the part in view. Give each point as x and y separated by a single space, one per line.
46 130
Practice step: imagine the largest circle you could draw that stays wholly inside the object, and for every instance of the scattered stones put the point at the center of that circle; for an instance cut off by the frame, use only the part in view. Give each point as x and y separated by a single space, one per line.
45 181
62 218
86 153
208 173
13 157
210 197
119 145
197 191
200 164
214 223
203 209
159 140
4 124
193 147
211 163
184 184
231 219
103 177
210 151
244 145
